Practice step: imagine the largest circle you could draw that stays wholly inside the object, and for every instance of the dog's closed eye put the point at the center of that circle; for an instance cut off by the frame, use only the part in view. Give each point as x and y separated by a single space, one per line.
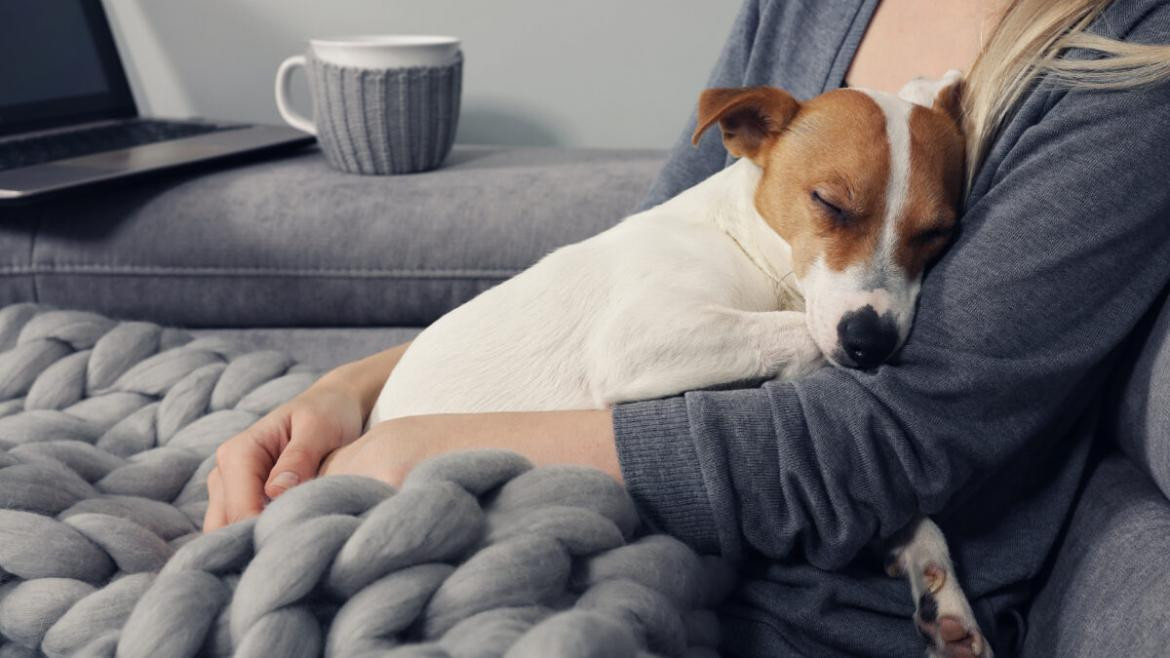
933 236
834 211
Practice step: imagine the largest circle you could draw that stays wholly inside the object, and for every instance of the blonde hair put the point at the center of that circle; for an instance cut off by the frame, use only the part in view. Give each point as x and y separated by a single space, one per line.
1027 43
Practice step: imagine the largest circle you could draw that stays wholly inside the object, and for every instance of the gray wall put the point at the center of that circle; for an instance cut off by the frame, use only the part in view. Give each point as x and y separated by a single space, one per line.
538 72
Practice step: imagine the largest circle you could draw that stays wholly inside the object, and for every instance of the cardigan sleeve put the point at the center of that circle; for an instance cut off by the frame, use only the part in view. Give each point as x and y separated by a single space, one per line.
1063 251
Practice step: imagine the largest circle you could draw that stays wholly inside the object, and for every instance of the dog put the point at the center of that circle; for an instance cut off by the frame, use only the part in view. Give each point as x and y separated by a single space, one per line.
808 250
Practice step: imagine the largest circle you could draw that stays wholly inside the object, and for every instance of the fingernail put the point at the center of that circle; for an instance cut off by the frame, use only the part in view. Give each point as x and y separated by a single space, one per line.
286 480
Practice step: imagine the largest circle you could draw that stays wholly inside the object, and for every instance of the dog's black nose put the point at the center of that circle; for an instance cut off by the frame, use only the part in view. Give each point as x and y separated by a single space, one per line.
866 338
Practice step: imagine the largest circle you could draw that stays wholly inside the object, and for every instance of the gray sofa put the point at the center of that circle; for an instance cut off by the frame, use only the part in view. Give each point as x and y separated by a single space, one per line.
329 267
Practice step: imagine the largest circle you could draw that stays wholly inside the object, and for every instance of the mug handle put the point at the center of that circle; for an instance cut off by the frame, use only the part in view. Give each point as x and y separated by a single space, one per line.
283 75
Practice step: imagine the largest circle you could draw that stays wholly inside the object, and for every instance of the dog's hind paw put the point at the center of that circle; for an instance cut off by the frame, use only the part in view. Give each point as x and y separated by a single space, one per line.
944 617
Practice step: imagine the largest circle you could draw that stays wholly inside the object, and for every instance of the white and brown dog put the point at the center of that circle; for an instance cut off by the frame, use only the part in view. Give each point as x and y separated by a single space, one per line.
810 248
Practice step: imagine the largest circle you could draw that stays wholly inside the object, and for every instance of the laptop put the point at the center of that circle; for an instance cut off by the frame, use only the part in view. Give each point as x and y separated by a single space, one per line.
68 120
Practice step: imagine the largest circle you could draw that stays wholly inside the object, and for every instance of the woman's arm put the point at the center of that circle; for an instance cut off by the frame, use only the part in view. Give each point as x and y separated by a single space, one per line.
391 448
364 378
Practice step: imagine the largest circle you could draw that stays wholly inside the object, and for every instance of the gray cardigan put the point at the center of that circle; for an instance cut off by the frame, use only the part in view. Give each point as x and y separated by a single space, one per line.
987 419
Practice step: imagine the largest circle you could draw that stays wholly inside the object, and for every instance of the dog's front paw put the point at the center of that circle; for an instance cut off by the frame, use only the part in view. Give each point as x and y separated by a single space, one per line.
944 617
803 357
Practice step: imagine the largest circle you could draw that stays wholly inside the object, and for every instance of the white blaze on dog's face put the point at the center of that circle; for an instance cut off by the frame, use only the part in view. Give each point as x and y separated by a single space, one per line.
864 186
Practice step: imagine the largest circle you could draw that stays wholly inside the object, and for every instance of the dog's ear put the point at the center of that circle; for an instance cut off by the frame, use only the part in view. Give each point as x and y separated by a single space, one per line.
943 95
948 99
751 118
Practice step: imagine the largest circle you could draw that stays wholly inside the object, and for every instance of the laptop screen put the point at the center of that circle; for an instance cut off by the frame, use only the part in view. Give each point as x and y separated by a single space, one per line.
58 65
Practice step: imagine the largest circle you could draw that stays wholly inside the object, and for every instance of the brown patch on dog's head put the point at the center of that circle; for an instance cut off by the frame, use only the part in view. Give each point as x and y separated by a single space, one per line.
949 101
824 183
936 184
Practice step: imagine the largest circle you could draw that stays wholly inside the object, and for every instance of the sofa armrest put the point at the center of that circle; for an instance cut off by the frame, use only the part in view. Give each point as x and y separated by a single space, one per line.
291 242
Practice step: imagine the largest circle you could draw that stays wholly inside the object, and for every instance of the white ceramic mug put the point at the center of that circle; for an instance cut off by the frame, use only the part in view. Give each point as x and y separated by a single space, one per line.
367 52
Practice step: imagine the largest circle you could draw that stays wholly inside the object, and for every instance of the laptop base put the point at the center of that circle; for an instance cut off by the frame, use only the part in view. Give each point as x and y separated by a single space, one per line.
28 184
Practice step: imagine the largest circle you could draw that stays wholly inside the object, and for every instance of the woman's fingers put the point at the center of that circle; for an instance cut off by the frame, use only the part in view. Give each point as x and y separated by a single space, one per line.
280 451
312 439
244 464
215 517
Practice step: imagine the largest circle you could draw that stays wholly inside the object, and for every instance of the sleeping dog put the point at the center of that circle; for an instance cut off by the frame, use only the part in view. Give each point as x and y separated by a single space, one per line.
808 250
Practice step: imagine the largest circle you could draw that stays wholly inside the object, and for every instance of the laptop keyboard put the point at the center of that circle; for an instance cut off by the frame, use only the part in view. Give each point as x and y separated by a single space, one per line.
28 151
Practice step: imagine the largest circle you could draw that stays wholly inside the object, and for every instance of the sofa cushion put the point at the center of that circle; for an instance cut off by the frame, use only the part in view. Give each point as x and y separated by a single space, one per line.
1140 416
291 242
1107 592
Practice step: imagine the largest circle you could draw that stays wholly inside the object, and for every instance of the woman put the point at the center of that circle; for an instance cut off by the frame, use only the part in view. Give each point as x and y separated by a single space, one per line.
986 421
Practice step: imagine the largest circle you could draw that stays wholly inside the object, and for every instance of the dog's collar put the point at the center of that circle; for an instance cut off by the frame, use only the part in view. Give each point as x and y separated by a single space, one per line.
729 195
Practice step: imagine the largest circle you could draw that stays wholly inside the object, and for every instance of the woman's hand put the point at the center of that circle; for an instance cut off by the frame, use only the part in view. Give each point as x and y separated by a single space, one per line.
286 447
281 450
391 449
387 452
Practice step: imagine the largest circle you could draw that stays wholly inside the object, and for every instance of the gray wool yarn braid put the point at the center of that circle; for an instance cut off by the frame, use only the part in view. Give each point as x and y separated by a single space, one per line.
107 432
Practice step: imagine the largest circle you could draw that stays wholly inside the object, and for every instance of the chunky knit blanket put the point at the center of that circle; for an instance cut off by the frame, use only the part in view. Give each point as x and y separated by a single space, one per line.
107 433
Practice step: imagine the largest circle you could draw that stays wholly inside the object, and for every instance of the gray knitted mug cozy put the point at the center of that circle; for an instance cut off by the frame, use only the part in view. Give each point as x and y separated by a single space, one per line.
385 121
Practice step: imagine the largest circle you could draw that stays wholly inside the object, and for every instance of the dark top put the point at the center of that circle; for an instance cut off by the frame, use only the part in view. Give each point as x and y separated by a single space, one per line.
986 420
